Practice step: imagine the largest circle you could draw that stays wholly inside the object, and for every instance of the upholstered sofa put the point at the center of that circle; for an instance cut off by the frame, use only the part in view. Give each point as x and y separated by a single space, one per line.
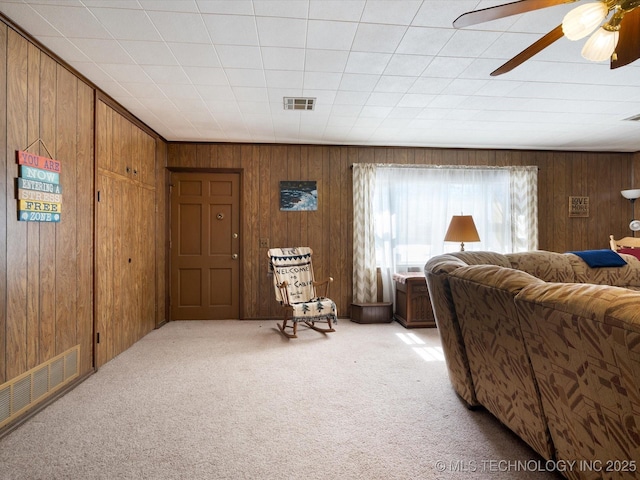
555 356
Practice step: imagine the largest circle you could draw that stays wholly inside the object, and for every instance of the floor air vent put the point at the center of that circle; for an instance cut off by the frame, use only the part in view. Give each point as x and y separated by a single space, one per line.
34 386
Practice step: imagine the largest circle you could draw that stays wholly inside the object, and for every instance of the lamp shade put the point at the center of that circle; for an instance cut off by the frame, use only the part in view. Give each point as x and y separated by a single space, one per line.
583 20
600 45
462 229
631 194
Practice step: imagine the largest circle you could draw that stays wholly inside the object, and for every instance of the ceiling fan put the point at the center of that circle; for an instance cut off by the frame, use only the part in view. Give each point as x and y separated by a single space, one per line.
617 39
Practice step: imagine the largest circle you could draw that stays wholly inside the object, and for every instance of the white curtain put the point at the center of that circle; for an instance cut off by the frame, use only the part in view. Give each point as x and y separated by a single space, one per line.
365 289
412 206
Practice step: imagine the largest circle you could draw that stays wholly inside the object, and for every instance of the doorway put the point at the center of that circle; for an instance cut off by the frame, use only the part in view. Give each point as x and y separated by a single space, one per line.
205 246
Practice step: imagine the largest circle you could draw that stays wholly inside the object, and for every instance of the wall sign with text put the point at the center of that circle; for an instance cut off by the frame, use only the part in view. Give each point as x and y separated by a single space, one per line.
578 206
39 192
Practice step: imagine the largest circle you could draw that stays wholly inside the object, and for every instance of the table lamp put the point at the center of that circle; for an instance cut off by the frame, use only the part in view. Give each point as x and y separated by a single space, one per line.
462 229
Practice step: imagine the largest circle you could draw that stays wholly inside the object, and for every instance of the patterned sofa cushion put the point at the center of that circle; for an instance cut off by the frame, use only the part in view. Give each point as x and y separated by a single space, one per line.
625 276
584 345
503 379
548 266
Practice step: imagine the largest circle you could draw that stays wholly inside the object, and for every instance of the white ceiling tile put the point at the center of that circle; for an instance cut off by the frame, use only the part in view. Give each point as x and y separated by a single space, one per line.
206 76
350 11
280 58
424 41
143 90
416 100
430 85
469 43
23 14
284 79
65 48
389 72
148 53
108 51
359 82
399 12
409 65
389 83
232 29
232 56
384 99
322 80
166 74
325 60
72 22
134 25
442 13
351 98
195 55
378 38
281 8
186 6
179 92
463 86
244 77
370 63
328 35
281 32
235 7
217 93
180 27
448 67
126 73
250 94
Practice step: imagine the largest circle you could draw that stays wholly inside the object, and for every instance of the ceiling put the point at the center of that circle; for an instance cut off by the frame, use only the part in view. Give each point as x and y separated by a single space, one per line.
383 72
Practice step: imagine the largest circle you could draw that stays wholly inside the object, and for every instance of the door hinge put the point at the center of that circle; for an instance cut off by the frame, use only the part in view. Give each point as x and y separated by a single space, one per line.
98 337
98 195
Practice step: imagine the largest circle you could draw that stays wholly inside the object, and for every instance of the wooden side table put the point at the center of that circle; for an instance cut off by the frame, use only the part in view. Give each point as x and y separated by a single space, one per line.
413 305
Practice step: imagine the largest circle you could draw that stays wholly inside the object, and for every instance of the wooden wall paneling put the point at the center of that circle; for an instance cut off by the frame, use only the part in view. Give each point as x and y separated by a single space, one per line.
263 214
278 222
47 261
292 155
333 223
66 230
346 227
329 230
162 232
33 228
105 268
251 254
5 196
315 220
85 223
148 264
16 334
203 156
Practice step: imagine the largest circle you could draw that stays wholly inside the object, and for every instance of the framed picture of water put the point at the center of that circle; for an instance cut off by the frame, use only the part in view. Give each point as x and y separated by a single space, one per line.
298 196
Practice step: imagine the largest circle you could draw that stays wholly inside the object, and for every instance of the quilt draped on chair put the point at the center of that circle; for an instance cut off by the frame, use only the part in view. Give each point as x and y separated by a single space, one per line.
293 266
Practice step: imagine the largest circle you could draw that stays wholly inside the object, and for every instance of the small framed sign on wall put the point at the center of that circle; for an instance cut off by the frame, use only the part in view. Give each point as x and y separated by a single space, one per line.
578 206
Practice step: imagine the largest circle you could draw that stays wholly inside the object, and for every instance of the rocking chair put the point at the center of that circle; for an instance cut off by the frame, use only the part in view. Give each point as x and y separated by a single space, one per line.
295 289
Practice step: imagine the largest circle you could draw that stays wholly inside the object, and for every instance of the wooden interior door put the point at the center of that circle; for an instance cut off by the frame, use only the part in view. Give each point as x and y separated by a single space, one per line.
205 242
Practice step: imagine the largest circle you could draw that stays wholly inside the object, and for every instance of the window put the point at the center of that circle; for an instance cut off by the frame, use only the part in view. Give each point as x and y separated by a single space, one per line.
411 207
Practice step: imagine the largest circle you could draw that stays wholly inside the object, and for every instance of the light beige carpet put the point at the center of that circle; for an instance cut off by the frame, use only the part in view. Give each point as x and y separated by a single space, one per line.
236 400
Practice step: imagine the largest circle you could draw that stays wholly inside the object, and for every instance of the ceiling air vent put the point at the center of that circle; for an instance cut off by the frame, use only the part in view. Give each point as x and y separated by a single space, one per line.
299 103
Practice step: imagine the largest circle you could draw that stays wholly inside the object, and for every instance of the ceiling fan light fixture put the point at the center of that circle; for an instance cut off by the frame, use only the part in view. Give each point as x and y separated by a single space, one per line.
583 20
600 45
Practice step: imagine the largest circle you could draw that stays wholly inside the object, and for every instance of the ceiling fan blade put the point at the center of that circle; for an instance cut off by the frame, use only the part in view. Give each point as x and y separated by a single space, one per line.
501 11
628 49
530 51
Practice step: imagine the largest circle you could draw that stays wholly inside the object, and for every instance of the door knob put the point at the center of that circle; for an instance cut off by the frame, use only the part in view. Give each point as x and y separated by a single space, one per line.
234 256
